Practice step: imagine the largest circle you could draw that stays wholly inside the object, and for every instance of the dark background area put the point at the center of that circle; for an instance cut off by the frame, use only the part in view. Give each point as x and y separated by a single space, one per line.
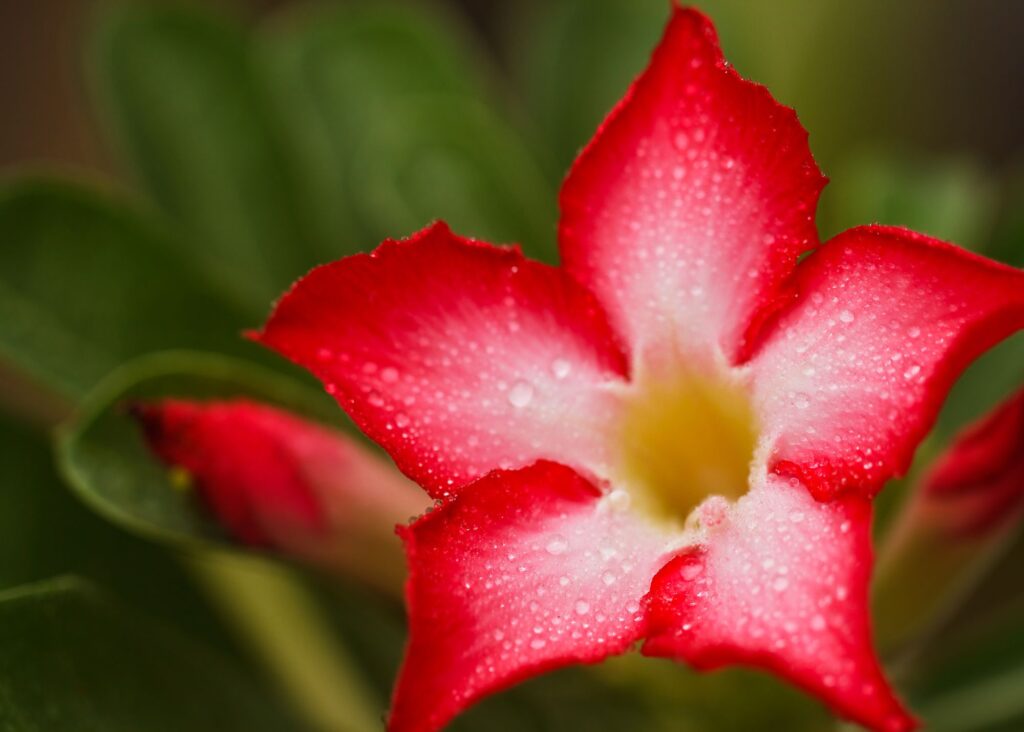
939 76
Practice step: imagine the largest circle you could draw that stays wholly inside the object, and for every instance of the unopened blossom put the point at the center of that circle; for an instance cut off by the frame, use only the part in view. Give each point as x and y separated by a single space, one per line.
282 482
961 515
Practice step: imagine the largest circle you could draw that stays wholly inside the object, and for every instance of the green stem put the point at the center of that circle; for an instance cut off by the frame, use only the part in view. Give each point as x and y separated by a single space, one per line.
287 629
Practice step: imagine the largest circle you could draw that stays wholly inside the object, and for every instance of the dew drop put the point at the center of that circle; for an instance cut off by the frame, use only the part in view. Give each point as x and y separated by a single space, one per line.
911 372
389 375
582 607
846 316
619 500
691 571
401 420
557 546
520 395
538 643
560 368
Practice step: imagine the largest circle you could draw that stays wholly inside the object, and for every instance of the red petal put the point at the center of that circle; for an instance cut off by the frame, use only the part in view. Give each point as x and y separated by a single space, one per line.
456 356
781 584
523 572
852 375
693 201
275 479
978 483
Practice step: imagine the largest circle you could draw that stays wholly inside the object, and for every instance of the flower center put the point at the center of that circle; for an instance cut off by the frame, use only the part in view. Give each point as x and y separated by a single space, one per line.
686 439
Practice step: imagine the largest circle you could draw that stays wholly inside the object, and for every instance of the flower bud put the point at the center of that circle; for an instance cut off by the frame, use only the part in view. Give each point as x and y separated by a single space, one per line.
953 525
279 481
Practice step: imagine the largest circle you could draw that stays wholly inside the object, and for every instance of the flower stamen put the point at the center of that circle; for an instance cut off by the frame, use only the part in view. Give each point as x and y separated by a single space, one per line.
685 439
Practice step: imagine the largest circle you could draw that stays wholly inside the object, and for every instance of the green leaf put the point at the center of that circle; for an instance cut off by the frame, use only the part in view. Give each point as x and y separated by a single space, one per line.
102 455
385 105
176 85
86 283
48 532
75 660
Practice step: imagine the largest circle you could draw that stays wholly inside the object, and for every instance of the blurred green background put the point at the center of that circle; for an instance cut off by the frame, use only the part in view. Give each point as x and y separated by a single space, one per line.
169 168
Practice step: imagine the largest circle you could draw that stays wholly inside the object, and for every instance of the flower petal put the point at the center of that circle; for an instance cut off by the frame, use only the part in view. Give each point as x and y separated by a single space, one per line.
851 376
275 479
781 584
523 572
456 356
692 202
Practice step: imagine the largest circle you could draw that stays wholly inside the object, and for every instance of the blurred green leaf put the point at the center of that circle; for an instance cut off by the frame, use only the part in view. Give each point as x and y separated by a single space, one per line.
74 660
86 283
1008 237
987 381
332 69
458 163
386 105
972 679
175 83
102 455
951 199
575 59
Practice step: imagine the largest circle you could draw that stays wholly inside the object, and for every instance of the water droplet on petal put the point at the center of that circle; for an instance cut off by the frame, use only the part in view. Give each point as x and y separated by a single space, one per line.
557 546
521 394
691 571
560 368
619 500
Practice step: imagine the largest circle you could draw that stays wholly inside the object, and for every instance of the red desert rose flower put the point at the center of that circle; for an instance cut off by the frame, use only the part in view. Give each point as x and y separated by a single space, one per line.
675 436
